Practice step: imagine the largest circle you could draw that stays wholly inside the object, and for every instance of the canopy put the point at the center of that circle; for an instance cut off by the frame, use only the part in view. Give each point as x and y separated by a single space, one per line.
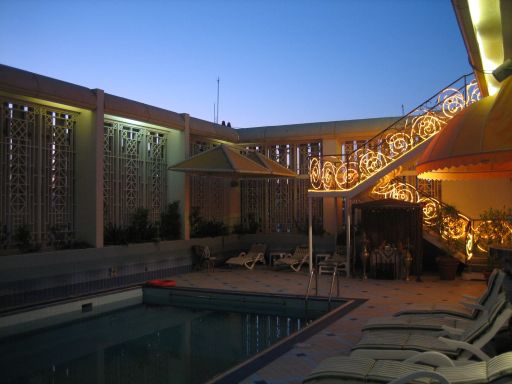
226 161
475 144
275 169
392 221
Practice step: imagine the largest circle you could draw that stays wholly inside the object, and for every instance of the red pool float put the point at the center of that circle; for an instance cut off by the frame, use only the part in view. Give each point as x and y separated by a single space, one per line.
161 283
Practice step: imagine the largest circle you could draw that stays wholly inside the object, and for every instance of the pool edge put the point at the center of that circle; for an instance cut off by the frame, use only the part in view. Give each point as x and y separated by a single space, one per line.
243 370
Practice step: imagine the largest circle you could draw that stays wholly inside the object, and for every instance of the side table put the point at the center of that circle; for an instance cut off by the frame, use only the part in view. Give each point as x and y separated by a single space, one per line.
276 255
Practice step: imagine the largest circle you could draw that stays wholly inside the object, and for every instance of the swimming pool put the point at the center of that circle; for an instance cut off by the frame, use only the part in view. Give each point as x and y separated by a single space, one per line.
154 343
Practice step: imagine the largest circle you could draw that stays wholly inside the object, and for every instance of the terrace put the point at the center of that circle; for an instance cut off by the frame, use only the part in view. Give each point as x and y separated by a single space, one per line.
345 162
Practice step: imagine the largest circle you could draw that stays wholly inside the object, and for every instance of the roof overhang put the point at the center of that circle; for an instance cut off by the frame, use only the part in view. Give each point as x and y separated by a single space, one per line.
475 144
487 32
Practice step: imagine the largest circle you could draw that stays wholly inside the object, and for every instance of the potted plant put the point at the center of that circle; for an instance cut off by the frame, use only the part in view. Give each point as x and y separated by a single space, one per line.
495 231
447 266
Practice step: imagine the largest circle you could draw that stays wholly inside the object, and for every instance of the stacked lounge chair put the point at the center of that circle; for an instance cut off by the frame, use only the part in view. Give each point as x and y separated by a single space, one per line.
359 370
400 345
495 280
437 320
255 254
428 352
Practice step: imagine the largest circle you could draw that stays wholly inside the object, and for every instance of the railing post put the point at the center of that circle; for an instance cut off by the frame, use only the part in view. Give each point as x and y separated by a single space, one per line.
465 91
310 234
348 226
311 274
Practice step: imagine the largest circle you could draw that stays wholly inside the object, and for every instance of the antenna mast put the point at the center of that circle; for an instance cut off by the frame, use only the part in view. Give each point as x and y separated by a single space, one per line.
218 87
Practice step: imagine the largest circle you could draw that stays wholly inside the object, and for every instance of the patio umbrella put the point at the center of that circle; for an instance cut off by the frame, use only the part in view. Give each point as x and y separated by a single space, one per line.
275 169
476 143
226 161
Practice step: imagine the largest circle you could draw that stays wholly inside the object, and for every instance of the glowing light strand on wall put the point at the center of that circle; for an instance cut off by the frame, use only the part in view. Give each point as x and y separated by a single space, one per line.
452 226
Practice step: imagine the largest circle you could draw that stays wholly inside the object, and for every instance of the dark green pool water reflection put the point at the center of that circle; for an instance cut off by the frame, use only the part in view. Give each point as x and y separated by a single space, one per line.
142 344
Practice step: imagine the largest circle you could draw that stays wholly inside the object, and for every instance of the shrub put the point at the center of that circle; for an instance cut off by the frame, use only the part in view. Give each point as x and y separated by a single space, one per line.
140 228
23 239
170 223
249 225
205 228
115 235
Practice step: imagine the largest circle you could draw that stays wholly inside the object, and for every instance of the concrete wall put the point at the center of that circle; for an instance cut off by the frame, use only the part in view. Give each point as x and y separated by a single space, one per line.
178 182
55 314
89 139
473 197
31 278
43 264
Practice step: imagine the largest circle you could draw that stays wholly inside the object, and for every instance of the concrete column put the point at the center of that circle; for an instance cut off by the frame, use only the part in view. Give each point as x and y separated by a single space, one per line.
178 182
233 204
349 245
89 173
310 233
330 147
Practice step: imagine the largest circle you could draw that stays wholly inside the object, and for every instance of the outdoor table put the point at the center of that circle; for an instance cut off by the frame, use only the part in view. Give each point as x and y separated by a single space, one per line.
327 266
273 255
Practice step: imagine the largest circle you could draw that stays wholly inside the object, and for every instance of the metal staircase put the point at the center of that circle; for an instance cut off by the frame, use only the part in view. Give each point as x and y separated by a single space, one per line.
350 173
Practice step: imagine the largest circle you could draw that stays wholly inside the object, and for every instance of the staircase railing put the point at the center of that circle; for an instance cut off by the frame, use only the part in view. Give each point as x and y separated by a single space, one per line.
344 172
312 275
335 280
458 231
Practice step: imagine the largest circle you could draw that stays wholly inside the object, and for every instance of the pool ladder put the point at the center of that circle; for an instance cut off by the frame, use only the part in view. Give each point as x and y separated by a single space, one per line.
314 275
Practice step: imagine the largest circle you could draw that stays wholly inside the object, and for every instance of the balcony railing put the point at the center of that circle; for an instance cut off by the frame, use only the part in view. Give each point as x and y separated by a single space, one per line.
344 172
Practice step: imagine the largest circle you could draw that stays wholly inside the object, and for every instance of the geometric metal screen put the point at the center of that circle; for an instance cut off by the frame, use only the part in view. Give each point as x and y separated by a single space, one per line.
281 205
208 194
36 171
135 172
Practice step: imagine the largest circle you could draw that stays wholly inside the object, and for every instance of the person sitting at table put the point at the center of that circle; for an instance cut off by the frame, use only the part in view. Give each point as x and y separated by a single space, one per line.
405 260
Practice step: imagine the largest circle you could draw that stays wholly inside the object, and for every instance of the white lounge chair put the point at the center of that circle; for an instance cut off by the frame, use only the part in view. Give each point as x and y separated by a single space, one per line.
391 345
436 322
295 260
349 369
249 259
338 260
203 257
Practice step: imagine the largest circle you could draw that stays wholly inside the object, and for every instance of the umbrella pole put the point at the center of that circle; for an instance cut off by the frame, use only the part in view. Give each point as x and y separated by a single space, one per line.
310 234
348 225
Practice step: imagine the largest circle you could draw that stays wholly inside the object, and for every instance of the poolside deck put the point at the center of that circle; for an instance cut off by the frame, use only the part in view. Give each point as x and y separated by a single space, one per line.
384 297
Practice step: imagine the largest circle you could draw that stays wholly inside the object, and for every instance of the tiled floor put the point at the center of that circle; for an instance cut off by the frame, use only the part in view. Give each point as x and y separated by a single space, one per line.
384 297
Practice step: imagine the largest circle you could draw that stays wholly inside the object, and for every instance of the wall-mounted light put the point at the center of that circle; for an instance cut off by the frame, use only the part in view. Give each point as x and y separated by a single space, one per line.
503 71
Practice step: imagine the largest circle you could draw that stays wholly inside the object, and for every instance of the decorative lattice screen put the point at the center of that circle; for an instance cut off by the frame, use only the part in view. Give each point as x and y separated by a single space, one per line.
135 171
280 205
36 171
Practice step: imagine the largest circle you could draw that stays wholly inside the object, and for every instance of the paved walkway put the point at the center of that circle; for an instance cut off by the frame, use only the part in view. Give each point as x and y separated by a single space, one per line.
384 297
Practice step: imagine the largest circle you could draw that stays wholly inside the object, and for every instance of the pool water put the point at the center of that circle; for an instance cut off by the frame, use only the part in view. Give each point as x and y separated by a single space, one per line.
142 344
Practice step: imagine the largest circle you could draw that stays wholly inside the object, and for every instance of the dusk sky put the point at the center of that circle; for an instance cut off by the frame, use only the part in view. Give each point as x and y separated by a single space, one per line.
279 61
